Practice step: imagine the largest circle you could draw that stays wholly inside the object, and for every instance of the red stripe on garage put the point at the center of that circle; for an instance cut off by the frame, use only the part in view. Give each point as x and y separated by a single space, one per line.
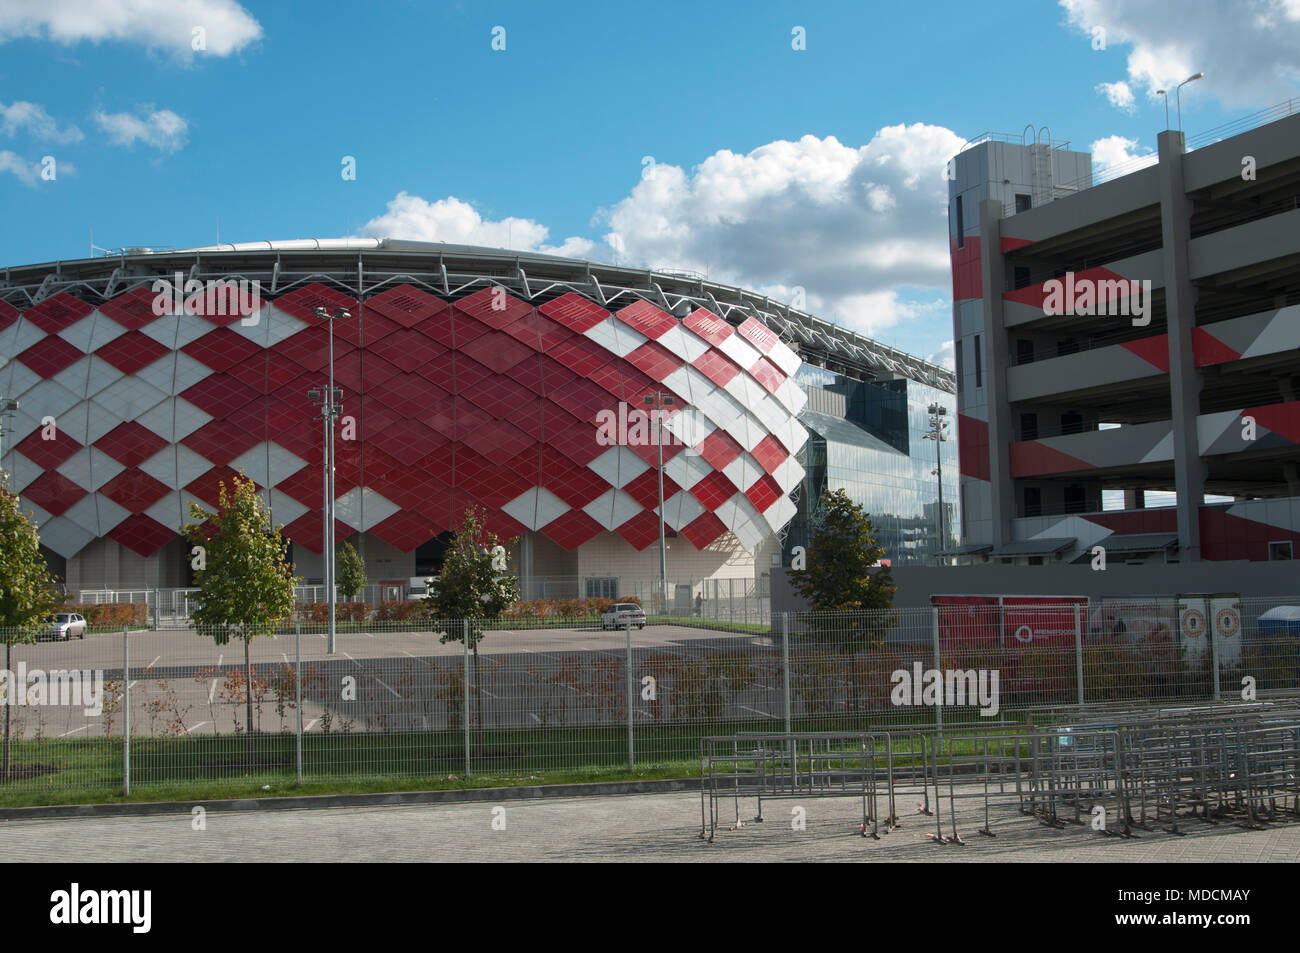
1210 350
966 280
1036 294
1153 350
1011 244
973 447
1281 419
1030 458
1224 536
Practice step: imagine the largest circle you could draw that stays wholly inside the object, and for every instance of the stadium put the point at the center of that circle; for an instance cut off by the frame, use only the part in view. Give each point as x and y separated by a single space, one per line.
469 377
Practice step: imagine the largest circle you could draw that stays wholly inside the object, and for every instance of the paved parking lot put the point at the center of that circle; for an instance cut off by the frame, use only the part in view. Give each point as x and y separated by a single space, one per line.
658 827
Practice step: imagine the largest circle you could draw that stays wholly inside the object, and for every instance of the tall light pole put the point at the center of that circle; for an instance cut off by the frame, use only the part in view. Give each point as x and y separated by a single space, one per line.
8 407
1165 93
938 426
1178 96
659 400
331 408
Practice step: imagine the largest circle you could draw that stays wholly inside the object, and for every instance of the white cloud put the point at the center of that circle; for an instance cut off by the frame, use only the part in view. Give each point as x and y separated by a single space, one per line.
157 24
850 225
33 118
1246 48
945 356
1119 94
161 128
27 172
1116 155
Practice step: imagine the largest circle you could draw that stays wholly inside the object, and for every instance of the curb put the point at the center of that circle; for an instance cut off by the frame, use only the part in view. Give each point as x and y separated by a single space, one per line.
322 801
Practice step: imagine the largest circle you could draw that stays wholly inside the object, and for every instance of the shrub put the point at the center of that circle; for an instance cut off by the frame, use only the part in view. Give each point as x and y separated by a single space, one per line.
111 613
398 611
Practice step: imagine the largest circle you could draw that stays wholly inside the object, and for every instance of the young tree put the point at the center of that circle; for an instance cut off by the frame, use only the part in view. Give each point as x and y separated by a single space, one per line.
243 574
351 570
474 585
843 574
28 593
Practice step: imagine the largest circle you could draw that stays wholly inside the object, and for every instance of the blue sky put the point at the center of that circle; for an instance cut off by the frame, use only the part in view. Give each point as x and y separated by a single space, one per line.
774 168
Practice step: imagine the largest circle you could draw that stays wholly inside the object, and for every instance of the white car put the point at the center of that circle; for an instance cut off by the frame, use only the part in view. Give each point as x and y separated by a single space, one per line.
63 626
620 614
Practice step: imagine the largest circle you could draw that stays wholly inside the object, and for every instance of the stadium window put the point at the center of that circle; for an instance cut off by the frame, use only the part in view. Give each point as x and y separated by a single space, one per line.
959 346
1029 426
1021 277
961 225
1023 202
979 364
1033 501
1075 499
1024 351
1282 550
1071 422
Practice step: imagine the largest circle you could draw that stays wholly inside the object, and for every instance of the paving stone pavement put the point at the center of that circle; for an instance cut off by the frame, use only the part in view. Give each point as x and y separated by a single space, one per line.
656 827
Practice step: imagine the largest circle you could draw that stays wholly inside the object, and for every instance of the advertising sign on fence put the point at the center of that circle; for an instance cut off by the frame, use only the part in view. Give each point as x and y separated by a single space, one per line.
1009 622
1225 613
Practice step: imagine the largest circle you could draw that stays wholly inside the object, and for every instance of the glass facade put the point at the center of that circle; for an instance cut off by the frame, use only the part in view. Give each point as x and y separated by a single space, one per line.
878 454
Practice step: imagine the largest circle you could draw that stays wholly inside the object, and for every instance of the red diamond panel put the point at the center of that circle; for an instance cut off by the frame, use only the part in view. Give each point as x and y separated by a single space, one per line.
641 530
539 332
529 415
717 367
222 440
222 305
646 318
406 349
758 334
307 485
576 486
499 485
409 440
362 371
575 312
309 348
769 453
708 326
207 489
409 395
503 525
409 487
493 306
369 328
301 302
434 505
496 350
135 309
621 380
575 439
649 452
54 314
541 375
714 490
294 427
582 399
498 441
132 351
499 396
130 444
763 493
767 374
581 355
375 417
222 349
50 355
219 395
645 489
406 305
655 359
572 529
142 534
266 372
405 531
135 490
703 530
53 492
306 531
48 454
719 448
8 314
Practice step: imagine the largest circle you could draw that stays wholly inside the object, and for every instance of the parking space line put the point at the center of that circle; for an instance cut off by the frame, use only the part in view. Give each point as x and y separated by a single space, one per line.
74 731
195 727
310 723
212 691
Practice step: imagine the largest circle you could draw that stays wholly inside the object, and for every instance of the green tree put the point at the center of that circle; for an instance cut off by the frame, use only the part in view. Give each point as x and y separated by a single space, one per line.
242 571
351 572
28 593
842 574
474 585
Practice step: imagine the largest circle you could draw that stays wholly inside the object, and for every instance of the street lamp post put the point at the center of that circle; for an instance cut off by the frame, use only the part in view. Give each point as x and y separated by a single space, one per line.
1165 94
659 400
1178 96
937 433
331 408
8 407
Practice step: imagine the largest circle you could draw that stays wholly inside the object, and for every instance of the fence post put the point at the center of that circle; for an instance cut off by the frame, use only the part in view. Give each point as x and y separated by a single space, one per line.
464 640
785 668
938 707
1214 648
297 687
627 628
126 713
1078 651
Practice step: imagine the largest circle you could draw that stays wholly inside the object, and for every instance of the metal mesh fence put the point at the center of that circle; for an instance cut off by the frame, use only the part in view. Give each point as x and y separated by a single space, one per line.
170 709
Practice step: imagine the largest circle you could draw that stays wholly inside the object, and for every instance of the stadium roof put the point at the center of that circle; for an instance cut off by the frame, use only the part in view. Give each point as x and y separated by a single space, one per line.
360 266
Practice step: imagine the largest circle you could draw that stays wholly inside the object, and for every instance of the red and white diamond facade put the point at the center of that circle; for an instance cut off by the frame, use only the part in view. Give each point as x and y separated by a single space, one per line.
486 400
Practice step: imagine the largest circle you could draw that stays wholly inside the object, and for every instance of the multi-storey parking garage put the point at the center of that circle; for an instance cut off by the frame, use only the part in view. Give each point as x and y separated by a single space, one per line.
1137 335
470 378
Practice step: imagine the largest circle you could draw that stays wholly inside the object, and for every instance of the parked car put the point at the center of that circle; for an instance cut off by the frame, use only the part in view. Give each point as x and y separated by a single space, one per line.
63 626
619 614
